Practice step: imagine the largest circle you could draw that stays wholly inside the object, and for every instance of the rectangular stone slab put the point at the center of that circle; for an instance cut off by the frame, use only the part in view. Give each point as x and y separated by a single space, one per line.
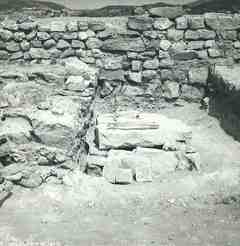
165 130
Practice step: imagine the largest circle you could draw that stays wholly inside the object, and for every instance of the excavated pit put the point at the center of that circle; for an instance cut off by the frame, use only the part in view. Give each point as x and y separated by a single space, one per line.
100 111
78 91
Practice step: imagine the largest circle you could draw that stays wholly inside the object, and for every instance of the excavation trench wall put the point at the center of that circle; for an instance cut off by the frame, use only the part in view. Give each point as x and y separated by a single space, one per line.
68 64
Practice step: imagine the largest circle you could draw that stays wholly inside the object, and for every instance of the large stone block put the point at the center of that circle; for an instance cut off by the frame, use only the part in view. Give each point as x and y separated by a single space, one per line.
219 21
133 129
124 44
140 23
192 93
139 166
123 176
185 55
162 162
201 34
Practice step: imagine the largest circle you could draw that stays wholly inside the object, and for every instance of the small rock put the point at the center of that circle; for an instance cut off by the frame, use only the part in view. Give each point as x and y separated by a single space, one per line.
135 77
171 90
112 63
77 44
25 45
43 36
33 181
32 35
136 66
83 36
49 43
214 53
182 23
151 64
76 83
162 24
196 22
5 35
12 46
195 160
175 35
72 26
27 26
165 44
62 44
14 178
83 25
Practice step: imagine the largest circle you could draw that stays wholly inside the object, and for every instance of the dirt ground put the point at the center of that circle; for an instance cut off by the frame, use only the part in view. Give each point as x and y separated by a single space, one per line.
184 208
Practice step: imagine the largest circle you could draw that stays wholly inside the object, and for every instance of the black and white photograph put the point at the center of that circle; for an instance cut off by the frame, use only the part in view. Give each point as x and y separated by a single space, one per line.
119 122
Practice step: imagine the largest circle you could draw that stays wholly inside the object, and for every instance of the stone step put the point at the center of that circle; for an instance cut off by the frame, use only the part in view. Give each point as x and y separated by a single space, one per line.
143 130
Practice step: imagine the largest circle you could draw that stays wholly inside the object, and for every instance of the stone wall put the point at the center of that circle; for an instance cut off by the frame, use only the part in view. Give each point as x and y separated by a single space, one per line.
153 57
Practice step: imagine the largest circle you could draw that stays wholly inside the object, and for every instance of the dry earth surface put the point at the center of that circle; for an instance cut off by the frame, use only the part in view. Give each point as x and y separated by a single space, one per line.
197 208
